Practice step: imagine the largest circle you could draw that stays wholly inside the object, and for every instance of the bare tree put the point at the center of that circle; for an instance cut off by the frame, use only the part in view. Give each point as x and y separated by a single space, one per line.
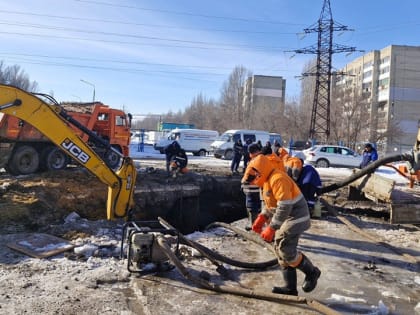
148 123
202 112
350 121
296 121
392 136
231 97
14 75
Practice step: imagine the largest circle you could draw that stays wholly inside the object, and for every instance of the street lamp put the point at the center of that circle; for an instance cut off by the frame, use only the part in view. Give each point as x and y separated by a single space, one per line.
91 84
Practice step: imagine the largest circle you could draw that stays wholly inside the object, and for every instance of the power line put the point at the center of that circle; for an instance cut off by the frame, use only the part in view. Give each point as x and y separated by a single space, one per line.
148 71
186 13
74 18
214 47
84 31
83 59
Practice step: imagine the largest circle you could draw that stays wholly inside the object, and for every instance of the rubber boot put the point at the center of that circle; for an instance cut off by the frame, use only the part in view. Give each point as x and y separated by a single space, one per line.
290 277
311 272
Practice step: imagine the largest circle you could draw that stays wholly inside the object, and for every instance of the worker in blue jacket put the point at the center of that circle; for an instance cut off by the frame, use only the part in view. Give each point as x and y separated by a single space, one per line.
369 155
309 182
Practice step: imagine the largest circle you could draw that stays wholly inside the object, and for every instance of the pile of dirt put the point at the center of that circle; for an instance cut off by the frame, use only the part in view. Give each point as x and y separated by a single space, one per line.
33 201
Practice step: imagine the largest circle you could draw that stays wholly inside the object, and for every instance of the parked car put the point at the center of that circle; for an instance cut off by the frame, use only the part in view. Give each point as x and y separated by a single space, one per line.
332 155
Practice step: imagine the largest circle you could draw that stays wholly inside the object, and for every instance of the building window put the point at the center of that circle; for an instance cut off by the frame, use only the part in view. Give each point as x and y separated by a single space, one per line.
384 70
367 74
368 64
366 87
383 84
385 59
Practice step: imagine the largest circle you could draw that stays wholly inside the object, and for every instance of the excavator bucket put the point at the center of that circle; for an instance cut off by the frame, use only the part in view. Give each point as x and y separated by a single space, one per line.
121 199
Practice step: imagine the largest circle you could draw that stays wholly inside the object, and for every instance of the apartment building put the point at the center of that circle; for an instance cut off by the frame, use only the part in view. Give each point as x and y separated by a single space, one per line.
387 82
263 90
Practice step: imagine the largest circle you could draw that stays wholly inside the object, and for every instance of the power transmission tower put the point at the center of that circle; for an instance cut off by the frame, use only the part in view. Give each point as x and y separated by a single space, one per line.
325 27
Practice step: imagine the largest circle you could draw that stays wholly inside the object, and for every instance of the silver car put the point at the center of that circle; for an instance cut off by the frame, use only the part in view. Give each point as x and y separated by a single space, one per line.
332 155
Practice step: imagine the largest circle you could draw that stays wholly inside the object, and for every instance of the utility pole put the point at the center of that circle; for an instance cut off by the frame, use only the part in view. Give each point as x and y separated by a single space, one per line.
320 117
91 84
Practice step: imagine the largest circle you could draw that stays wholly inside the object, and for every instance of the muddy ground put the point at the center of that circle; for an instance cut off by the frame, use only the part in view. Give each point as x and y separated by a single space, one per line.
359 276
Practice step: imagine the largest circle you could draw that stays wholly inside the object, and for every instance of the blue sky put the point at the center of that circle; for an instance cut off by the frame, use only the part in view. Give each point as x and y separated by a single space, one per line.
156 56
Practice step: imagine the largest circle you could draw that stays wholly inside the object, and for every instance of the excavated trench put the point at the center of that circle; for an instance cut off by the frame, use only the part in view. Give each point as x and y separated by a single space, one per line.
189 202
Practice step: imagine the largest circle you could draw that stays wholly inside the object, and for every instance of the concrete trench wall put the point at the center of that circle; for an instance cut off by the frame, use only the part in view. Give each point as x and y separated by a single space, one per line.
192 202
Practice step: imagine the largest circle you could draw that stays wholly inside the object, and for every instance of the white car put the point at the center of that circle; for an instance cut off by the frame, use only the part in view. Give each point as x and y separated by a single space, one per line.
332 155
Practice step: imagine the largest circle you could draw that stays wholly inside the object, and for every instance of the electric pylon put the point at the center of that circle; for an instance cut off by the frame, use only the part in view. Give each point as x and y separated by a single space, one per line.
325 27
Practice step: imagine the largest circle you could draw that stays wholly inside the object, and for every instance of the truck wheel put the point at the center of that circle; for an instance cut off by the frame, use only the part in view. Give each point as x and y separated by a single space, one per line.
9 169
228 155
112 159
25 160
53 159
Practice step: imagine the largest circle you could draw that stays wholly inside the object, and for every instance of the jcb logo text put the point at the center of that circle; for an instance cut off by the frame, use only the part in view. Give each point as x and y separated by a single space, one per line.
75 151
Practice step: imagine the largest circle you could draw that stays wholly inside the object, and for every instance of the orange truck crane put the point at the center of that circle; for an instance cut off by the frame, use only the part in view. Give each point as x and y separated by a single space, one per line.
25 150
53 122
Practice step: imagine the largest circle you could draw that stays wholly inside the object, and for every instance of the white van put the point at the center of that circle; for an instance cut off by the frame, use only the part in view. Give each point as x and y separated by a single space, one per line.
223 147
196 141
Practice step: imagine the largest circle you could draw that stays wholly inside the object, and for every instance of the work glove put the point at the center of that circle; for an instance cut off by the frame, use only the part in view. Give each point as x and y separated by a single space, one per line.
268 234
259 223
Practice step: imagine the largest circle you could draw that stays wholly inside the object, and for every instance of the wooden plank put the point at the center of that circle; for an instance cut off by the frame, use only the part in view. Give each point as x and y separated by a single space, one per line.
375 187
40 245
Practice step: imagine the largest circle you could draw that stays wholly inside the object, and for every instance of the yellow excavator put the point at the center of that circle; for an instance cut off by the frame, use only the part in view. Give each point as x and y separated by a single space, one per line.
52 121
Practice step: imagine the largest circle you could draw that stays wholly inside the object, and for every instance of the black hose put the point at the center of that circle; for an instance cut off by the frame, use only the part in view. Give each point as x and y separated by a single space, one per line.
234 262
253 237
367 170
211 254
250 237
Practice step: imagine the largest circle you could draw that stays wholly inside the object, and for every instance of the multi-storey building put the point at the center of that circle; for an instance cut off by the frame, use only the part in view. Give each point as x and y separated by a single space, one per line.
262 90
387 83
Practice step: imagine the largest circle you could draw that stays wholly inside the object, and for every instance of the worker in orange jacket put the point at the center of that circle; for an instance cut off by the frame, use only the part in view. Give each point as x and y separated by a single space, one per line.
289 214
293 165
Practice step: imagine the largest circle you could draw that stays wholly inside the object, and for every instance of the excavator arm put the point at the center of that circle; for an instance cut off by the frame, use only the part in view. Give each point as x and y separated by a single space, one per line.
47 119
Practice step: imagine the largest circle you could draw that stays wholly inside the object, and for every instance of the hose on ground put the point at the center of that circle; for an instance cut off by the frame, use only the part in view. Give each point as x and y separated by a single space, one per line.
279 298
368 169
234 262
213 255
253 237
